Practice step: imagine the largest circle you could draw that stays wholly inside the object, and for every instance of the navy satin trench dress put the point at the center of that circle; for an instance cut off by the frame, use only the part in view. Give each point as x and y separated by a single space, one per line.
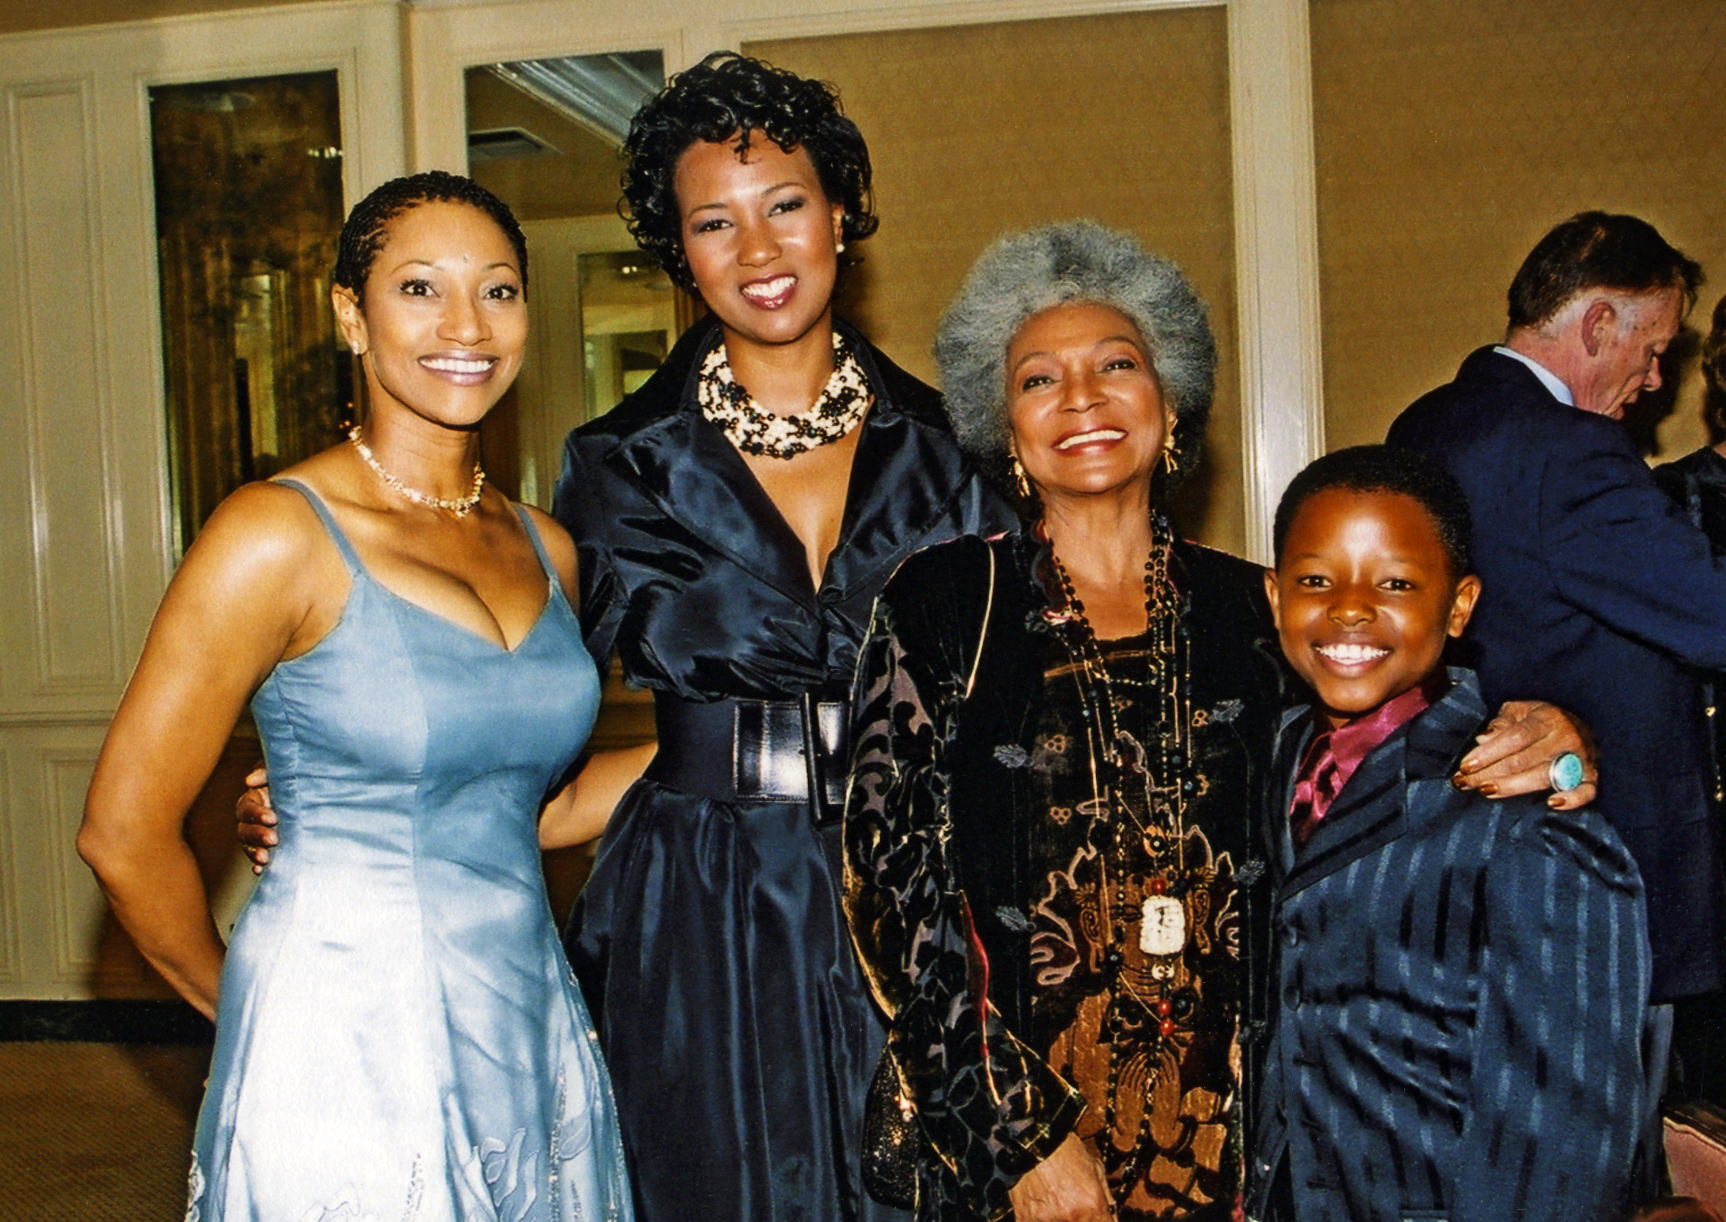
710 941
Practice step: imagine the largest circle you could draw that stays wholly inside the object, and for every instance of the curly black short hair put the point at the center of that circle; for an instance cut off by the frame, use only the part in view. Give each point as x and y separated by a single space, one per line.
728 95
1393 469
364 233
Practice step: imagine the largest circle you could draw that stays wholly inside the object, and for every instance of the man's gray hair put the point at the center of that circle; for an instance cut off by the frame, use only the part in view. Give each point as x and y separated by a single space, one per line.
1070 262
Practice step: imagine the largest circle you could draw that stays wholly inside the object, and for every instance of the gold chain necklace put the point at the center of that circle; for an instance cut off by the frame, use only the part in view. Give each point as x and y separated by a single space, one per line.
1165 771
459 505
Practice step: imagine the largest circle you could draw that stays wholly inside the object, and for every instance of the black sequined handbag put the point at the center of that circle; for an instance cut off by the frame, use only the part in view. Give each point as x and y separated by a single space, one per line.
890 1138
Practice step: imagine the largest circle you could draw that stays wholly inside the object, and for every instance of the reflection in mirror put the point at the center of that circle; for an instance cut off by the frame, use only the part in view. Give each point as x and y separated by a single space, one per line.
545 136
627 324
248 178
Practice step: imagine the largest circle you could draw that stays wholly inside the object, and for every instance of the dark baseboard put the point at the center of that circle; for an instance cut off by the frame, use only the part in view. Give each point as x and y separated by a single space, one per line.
105 1022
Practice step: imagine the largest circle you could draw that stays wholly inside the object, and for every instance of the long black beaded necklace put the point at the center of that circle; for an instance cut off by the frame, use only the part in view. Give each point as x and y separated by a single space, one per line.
1146 991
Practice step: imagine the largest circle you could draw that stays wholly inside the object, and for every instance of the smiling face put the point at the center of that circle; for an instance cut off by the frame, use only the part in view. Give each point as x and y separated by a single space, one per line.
761 238
1364 598
1083 402
1623 346
444 321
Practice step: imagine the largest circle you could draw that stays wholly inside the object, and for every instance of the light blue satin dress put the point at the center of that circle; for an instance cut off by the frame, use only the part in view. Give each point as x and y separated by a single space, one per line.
399 1036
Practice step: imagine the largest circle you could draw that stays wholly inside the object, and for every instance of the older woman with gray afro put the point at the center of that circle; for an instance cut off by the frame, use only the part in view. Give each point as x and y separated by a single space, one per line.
1102 697
1072 261
1054 877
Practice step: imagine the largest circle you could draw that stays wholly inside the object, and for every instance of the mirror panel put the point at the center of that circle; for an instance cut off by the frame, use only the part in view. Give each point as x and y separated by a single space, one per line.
248 195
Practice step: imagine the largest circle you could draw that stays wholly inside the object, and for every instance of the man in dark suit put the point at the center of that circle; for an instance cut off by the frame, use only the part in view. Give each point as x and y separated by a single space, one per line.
1599 596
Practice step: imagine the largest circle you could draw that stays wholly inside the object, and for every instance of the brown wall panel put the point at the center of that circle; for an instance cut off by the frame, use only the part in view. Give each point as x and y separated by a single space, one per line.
1452 133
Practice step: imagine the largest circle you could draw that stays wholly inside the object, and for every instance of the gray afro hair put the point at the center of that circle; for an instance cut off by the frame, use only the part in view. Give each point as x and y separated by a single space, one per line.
1070 261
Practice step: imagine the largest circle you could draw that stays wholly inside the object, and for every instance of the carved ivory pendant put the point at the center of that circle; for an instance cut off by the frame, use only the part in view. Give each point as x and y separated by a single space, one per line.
1164 929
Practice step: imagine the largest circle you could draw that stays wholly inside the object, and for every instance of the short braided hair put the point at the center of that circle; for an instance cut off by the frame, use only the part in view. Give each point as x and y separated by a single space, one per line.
366 229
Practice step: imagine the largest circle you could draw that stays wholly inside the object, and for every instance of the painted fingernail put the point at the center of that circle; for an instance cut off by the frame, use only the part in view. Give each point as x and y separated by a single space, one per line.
1489 790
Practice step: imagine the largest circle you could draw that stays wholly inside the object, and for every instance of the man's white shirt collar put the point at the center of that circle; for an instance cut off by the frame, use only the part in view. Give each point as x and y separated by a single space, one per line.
1548 379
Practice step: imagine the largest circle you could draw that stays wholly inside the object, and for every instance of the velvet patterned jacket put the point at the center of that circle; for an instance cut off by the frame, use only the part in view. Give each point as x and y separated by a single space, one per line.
938 819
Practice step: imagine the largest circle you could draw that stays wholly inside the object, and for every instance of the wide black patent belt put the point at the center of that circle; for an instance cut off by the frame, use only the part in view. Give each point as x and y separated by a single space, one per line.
756 750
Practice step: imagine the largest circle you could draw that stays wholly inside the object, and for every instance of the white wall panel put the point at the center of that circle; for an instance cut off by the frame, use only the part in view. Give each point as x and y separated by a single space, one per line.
76 911
11 953
74 602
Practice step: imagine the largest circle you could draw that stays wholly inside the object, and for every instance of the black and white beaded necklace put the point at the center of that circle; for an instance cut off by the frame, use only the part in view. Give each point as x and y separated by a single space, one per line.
755 430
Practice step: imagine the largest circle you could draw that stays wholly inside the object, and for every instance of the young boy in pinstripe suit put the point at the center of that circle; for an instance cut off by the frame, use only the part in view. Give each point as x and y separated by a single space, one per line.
1461 981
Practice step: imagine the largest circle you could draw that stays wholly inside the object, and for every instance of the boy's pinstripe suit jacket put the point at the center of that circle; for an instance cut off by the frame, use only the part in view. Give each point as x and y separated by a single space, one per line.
1460 994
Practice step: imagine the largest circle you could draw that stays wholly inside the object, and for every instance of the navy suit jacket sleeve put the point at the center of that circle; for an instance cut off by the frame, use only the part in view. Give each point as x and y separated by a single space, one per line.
1618 549
1549 1126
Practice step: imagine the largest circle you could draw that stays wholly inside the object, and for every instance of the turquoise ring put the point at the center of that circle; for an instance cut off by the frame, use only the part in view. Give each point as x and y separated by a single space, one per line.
1566 772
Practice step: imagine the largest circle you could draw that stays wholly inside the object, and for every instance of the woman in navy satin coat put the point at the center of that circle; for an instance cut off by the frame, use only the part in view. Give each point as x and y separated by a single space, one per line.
737 586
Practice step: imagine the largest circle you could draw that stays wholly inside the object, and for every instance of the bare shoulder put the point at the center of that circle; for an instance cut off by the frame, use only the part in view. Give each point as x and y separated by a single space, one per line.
265 559
559 547
276 520
258 528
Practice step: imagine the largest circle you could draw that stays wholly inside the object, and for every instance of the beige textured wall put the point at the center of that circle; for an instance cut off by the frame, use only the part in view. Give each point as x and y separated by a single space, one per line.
1452 133
977 130
19 15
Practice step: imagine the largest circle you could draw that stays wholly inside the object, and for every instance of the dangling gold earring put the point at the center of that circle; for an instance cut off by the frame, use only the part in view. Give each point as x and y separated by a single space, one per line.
1020 481
1170 460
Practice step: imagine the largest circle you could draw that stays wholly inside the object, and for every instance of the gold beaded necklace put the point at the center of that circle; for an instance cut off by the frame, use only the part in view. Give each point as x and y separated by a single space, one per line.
459 505
1165 771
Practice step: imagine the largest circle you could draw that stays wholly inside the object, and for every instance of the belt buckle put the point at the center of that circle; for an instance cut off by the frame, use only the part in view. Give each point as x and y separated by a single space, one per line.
767 752
826 725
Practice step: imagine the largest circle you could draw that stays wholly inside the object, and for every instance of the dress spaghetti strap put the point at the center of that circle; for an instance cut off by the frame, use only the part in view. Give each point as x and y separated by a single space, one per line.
538 545
349 556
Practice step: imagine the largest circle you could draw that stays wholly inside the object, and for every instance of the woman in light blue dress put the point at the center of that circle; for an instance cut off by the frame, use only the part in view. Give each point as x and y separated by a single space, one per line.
397 1031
